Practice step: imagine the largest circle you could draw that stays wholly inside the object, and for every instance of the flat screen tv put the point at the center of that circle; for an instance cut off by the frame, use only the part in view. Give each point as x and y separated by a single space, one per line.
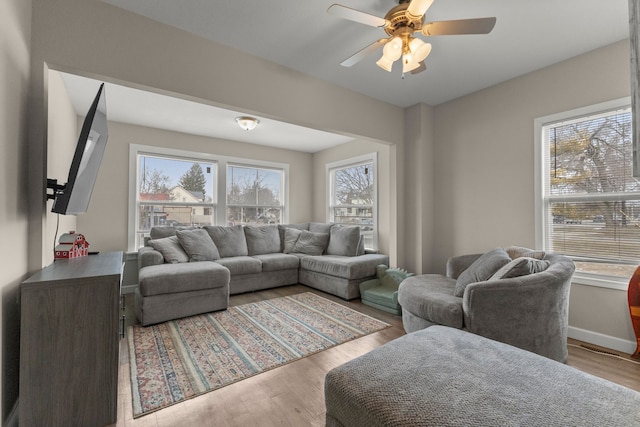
73 197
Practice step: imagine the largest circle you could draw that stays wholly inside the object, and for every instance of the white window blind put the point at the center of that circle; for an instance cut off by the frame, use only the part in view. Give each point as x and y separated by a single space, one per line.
591 200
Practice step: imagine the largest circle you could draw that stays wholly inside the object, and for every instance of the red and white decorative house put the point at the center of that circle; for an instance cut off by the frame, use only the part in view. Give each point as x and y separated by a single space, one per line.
71 245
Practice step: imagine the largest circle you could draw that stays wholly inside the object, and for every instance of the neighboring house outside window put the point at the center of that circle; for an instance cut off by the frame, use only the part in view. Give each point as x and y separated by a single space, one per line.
171 187
588 201
352 195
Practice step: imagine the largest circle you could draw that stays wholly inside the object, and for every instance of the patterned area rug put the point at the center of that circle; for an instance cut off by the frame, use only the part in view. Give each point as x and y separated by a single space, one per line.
177 360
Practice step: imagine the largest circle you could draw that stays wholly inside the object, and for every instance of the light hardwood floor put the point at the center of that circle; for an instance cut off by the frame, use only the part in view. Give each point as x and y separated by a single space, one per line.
292 395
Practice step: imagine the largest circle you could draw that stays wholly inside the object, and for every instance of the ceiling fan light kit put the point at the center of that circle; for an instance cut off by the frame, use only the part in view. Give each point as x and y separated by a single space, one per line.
400 23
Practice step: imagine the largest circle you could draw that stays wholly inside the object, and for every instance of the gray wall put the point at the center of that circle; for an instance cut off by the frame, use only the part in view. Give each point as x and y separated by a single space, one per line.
485 171
15 46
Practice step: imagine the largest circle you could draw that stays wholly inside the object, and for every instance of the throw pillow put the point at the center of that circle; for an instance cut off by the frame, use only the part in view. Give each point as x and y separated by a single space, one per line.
198 245
283 227
344 241
518 251
230 241
291 236
262 239
481 269
310 243
521 266
170 249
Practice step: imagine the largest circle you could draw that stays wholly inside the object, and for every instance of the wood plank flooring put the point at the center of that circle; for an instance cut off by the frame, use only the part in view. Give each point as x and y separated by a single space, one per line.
293 395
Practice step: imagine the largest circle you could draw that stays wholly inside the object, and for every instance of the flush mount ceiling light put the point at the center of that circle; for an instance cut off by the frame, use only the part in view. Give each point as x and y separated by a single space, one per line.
247 123
400 24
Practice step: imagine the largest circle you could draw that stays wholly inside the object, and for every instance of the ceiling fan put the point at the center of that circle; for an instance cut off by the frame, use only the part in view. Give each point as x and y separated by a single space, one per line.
400 24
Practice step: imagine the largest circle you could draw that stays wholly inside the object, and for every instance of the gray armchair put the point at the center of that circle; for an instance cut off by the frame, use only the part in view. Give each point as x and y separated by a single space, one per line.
529 311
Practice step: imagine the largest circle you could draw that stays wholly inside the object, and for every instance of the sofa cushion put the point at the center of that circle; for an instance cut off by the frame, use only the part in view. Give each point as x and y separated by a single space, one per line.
481 269
351 268
198 245
168 279
241 264
321 227
344 241
262 239
521 266
431 297
162 232
170 249
518 251
230 241
278 261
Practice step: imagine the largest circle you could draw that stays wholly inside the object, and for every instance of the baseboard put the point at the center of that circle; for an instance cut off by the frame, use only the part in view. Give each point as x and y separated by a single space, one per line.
12 419
602 340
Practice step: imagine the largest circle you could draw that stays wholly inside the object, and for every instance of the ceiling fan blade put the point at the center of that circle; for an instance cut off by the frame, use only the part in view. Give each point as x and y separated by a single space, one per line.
356 15
357 57
417 8
459 26
420 69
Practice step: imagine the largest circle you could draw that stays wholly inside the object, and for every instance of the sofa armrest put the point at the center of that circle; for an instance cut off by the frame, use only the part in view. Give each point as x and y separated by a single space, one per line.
148 256
458 264
520 311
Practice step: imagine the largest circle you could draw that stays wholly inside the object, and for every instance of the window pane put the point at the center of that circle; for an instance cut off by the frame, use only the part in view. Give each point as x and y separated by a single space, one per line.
173 192
591 156
353 199
354 185
593 200
175 180
254 195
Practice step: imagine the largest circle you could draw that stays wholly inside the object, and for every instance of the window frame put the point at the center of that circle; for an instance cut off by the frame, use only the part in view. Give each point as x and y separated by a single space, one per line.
543 223
220 181
352 162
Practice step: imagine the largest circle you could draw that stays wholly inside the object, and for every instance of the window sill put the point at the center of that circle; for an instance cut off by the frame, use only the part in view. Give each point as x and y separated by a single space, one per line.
608 282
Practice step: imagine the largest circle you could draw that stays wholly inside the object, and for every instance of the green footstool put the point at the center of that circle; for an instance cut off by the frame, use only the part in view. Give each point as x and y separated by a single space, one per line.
382 292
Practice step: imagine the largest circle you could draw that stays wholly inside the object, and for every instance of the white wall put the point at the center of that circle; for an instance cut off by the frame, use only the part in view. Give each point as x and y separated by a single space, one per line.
15 46
62 135
484 171
105 223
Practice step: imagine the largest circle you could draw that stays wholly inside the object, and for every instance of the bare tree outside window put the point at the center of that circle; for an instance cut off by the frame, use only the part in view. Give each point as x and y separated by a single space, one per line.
593 199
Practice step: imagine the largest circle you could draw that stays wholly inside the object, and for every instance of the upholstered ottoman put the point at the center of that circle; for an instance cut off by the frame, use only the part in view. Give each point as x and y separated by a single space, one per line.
171 291
442 376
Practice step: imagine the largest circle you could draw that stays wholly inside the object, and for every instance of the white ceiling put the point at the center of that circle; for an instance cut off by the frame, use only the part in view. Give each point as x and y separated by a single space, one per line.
138 107
301 35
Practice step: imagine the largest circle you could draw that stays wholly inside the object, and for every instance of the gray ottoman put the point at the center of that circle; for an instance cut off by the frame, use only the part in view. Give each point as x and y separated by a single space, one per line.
170 291
443 376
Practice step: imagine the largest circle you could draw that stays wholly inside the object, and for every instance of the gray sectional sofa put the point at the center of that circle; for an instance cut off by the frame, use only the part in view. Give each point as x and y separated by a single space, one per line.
180 268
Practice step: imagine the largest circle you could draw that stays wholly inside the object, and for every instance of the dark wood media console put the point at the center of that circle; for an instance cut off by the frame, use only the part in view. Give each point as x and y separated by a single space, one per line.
69 337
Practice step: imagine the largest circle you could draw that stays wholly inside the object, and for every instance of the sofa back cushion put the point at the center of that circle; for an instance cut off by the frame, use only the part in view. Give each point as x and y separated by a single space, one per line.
262 239
170 249
162 232
230 241
198 245
481 269
344 241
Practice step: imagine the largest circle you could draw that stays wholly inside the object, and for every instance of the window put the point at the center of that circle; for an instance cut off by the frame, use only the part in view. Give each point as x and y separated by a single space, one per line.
589 200
173 191
353 195
254 195
169 187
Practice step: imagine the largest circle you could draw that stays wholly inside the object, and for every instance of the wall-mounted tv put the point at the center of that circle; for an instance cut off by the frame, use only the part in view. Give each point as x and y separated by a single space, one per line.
73 197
